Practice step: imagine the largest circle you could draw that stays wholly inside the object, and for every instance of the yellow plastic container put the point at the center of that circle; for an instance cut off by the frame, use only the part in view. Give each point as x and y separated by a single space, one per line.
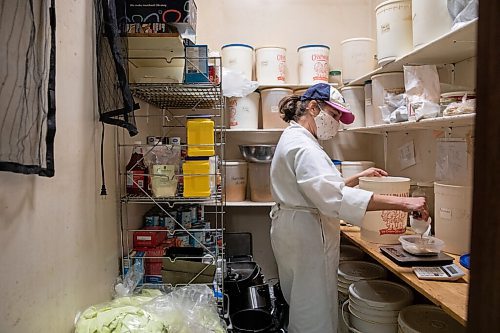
196 178
200 131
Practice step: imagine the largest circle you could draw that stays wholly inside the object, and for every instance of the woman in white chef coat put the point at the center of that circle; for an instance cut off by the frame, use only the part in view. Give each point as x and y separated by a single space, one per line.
311 196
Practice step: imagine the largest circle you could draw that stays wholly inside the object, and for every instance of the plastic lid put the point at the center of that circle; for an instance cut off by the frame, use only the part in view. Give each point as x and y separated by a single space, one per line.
458 93
244 45
381 294
428 319
349 252
335 72
270 47
357 39
277 89
360 270
312 45
386 74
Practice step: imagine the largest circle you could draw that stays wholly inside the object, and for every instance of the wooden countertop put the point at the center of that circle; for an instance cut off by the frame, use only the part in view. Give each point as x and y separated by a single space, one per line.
451 296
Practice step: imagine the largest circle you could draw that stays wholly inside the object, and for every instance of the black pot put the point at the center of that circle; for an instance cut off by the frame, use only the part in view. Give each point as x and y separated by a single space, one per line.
257 297
252 320
241 275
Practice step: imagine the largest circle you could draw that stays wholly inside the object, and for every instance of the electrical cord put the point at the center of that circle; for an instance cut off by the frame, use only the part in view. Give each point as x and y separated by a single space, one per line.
103 182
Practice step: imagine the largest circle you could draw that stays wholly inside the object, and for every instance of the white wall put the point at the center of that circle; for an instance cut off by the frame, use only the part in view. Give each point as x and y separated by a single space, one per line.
59 237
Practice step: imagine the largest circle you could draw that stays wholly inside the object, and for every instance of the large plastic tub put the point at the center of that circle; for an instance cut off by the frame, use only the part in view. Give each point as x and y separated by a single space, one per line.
271 117
313 64
430 19
244 111
453 208
394 35
236 180
382 83
384 227
238 57
352 168
355 97
259 180
358 58
270 65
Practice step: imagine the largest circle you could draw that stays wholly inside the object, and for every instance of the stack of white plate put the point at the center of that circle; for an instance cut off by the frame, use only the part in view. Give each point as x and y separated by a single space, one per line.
353 271
350 253
374 305
423 318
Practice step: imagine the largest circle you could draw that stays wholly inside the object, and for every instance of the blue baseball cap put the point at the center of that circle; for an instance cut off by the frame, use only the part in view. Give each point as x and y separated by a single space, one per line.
331 96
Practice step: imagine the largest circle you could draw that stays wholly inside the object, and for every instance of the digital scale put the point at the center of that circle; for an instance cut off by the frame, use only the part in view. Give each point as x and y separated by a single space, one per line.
403 258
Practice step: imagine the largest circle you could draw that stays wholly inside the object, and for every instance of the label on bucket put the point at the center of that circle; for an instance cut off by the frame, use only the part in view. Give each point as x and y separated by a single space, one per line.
394 220
445 213
320 67
274 108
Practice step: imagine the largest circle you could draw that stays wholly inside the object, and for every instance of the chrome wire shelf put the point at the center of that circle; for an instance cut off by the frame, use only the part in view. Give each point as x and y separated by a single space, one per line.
214 199
179 96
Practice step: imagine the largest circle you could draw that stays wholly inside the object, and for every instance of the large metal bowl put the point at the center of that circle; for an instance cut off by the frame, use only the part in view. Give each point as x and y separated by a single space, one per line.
258 153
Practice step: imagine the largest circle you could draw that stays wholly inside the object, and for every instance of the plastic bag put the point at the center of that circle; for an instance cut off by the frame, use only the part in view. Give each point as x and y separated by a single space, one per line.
462 12
394 109
163 162
130 281
422 91
189 309
464 107
235 84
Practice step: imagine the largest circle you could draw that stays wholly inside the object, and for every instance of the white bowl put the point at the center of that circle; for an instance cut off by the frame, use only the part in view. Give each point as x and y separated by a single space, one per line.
421 246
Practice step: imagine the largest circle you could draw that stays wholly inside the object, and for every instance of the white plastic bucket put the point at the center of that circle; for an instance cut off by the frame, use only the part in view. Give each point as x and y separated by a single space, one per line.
355 97
238 57
427 318
270 65
271 117
430 19
381 84
244 111
358 58
394 35
453 207
368 104
313 64
236 180
384 227
352 168
259 180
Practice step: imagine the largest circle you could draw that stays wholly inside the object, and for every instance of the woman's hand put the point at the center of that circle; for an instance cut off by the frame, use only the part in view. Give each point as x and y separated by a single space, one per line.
419 205
406 204
371 172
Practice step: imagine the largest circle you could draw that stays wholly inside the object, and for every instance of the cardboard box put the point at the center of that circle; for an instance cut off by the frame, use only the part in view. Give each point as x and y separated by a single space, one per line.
155 16
183 271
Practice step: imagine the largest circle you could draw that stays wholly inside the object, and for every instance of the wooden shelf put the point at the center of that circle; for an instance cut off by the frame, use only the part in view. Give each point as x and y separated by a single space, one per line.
248 204
452 47
452 297
425 124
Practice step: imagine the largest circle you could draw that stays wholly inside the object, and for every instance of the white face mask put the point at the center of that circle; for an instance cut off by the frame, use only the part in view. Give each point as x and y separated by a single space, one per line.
326 126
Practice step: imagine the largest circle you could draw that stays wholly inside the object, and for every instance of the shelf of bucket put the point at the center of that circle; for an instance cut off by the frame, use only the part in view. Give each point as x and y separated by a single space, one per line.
452 297
179 95
249 130
462 120
453 47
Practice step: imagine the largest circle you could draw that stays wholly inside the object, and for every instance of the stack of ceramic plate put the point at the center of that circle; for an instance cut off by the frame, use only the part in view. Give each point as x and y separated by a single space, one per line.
350 253
353 271
423 318
374 305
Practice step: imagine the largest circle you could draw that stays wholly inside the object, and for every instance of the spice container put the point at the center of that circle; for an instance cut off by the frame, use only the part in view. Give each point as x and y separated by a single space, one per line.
200 136
335 77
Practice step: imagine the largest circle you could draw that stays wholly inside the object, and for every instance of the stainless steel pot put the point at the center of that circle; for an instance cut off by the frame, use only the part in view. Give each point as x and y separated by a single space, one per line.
257 297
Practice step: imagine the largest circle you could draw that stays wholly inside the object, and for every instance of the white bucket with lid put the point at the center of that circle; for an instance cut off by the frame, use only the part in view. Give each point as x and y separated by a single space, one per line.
430 19
271 97
259 175
352 168
382 84
244 111
452 214
236 180
270 65
313 64
352 271
355 97
358 58
384 227
427 318
394 35
238 57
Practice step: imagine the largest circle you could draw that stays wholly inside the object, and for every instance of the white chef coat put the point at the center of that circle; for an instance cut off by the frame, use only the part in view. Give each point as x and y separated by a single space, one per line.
310 197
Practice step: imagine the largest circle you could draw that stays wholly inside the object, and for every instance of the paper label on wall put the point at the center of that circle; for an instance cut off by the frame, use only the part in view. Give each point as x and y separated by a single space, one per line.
407 155
275 108
445 213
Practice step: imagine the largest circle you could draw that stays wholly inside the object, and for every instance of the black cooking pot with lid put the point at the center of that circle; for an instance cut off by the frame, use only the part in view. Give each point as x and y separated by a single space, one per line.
241 275
257 297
